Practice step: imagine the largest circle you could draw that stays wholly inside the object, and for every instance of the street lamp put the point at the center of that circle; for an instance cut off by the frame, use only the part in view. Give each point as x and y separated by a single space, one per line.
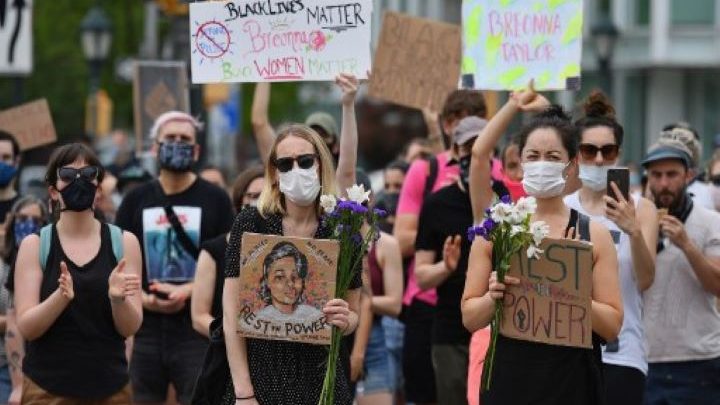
604 36
95 38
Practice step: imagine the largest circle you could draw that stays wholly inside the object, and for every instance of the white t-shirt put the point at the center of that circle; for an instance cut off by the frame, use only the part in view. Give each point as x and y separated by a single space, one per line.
682 321
701 194
629 348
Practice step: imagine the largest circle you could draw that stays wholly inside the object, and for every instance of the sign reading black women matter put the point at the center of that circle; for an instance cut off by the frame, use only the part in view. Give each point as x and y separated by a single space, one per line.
279 40
552 303
284 284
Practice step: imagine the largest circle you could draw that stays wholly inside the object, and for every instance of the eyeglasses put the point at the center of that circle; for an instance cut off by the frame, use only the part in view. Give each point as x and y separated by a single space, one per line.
286 164
69 174
23 218
590 151
715 180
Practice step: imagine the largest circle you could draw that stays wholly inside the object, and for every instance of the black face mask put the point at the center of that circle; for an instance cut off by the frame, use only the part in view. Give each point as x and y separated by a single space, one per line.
465 171
176 156
79 195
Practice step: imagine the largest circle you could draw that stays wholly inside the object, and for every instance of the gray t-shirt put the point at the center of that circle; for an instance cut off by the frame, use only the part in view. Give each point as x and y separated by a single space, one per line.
681 318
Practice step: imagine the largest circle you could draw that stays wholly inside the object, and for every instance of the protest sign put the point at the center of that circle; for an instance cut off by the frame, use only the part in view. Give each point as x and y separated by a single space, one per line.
30 123
417 62
158 87
279 40
507 43
284 284
552 303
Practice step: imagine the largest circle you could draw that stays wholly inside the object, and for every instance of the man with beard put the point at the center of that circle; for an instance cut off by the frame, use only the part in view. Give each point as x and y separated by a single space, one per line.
171 216
682 323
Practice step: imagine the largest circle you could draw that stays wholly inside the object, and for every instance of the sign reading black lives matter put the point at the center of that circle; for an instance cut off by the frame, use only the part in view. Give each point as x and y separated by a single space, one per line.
552 303
279 40
284 284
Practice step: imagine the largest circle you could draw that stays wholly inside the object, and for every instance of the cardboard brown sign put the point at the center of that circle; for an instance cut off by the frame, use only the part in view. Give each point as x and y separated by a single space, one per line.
30 123
552 303
284 284
417 61
158 87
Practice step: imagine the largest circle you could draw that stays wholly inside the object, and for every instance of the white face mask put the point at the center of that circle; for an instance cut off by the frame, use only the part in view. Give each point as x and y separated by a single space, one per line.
301 186
594 177
544 179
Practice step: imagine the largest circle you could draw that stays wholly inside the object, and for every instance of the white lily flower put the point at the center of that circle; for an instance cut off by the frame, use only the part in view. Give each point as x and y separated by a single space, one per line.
539 230
533 252
357 194
501 212
515 217
516 229
328 202
526 206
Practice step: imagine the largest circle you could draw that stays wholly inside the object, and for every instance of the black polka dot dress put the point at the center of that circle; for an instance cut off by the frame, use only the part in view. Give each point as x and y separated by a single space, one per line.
285 372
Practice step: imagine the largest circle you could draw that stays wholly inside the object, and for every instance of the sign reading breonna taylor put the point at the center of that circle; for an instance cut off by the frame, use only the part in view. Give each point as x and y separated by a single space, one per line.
279 40
284 284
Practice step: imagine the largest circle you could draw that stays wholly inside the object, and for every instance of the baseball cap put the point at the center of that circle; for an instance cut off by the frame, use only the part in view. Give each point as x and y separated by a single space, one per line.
666 151
324 121
468 128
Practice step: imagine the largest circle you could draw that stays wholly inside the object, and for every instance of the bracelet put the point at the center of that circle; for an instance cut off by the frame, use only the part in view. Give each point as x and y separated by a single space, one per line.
244 398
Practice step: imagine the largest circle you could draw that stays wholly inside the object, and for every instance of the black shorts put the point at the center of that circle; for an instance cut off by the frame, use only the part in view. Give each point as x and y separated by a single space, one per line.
166 351
417 353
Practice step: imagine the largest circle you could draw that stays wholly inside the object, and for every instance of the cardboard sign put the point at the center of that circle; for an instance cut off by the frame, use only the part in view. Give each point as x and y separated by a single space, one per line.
279 40
30 123
552 303
417 61
158 87
507 43
16 40
284 284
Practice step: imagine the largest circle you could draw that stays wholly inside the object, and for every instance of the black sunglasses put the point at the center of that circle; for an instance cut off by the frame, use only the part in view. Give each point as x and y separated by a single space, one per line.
286 164
590 151
69 174
715 180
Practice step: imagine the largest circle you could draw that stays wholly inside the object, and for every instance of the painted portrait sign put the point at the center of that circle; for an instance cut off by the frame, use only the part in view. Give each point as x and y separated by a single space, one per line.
552 303
284 284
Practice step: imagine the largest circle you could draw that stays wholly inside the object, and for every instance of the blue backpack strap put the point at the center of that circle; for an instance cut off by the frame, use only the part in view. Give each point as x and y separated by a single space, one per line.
116 238
45 242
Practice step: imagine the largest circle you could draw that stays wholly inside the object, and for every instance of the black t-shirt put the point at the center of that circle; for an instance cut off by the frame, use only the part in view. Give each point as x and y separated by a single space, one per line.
216 248
444 213
204 210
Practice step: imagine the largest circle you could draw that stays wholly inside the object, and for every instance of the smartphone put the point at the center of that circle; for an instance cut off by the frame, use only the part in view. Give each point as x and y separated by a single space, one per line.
621 177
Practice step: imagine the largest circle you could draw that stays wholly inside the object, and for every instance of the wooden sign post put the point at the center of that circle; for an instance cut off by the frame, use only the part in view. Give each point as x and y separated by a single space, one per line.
552 303
417 61
284 284
30 123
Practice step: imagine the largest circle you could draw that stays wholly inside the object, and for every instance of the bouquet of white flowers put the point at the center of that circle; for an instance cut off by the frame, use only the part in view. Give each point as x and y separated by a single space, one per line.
509 229
347 218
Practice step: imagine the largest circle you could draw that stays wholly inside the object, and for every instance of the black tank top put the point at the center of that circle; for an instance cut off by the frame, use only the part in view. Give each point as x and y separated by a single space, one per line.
81 355
540 374
216 248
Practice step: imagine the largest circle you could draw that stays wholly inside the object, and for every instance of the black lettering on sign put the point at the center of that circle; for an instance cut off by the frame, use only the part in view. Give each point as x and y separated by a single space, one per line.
237 10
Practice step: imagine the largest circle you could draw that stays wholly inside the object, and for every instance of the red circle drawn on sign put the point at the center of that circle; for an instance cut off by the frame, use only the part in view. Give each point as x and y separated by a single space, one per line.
209 39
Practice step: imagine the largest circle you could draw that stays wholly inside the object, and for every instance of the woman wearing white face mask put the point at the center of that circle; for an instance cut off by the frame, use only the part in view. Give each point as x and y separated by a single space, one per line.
550 374
299 170
634 227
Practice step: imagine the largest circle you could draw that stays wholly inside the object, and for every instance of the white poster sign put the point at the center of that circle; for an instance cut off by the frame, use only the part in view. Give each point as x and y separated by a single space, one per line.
16 50
279 40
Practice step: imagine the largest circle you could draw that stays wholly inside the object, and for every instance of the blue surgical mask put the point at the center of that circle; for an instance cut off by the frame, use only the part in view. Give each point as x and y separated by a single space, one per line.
176 156
7 174
25 228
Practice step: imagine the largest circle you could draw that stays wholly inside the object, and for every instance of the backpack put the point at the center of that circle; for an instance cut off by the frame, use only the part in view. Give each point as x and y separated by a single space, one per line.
46 241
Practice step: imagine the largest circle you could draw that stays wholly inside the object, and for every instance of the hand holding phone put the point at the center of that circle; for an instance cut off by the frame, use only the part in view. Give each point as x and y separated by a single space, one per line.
621 177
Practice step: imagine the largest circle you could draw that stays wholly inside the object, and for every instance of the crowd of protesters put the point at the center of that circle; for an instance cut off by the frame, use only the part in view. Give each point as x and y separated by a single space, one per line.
120 285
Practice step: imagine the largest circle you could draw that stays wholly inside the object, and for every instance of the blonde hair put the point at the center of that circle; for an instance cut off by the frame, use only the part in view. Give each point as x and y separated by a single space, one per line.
271 200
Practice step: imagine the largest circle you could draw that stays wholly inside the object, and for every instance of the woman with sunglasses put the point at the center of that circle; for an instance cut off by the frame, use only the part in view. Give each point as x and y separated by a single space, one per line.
26 217
633 224
549 374
76 310
299 170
